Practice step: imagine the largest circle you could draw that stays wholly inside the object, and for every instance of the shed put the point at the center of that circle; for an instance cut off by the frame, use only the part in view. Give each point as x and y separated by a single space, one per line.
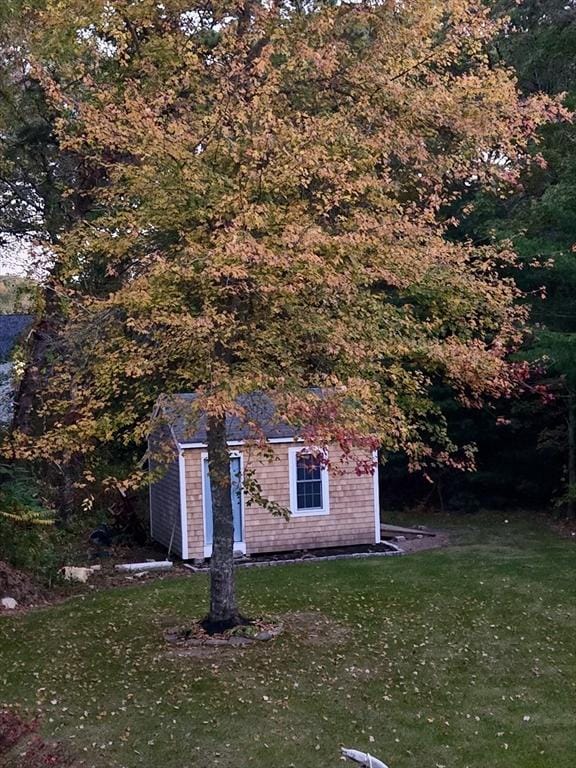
327 508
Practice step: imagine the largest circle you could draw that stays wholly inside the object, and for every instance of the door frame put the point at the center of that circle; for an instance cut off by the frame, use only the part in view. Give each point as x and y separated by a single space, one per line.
239 546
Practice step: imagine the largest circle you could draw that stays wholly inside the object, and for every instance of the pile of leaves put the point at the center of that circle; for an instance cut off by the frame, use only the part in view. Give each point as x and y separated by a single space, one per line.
21 745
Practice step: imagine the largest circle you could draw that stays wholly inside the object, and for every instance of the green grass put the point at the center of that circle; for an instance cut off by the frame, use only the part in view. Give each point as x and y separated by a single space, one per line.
432 660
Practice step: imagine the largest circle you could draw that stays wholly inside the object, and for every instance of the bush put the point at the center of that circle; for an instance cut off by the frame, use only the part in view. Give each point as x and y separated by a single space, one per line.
13 729
22 747
28 537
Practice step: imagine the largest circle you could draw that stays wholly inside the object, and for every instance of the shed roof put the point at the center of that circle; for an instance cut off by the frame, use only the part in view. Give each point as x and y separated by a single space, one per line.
259 409
11 326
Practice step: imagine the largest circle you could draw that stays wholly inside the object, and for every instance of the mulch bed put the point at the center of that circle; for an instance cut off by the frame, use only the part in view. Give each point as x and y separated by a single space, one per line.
310 554
300 555
310 627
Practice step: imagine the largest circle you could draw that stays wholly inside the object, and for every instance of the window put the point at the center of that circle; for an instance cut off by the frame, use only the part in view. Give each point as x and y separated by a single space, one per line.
308 484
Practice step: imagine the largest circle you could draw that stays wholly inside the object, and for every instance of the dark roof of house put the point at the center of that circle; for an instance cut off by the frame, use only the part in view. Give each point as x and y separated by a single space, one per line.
11 327
259 409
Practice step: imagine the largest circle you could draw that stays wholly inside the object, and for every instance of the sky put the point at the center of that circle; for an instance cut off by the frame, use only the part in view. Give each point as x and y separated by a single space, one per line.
16 257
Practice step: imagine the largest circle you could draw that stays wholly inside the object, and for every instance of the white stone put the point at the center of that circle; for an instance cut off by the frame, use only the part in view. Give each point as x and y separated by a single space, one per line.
9 603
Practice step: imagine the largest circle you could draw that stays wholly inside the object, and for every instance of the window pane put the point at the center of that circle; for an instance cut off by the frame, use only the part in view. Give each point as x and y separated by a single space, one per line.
309 494
307 468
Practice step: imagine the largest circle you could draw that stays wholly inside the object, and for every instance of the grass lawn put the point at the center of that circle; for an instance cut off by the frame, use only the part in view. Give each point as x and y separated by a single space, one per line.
460 658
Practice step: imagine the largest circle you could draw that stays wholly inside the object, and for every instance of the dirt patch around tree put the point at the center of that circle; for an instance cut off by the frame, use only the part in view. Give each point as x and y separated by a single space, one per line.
194 640
309 628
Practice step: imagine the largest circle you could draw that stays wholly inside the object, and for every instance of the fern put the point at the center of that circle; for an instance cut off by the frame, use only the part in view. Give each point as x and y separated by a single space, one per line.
19 499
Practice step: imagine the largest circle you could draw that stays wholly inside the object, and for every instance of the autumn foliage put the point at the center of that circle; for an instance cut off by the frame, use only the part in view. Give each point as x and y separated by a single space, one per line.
270 212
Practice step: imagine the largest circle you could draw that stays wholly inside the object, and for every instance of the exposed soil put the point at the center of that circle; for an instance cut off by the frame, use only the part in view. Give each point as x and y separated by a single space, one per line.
219 628
414 543
20 586
310 554
195 641
310 628
107 576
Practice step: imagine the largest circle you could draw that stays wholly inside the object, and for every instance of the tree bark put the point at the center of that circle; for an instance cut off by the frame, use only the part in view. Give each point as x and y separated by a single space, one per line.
571 453
40 345
224 612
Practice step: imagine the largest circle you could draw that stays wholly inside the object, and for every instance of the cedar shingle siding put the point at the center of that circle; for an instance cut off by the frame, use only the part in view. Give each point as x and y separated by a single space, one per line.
351 519
165 522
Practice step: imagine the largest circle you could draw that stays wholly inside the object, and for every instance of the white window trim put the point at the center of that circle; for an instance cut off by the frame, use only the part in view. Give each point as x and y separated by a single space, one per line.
295 512
239 546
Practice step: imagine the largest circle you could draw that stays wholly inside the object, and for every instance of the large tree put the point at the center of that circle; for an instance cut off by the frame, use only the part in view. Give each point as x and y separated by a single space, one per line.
524 461
273 218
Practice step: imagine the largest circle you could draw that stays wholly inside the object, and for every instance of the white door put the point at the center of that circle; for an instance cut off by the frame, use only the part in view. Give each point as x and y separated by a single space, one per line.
237 511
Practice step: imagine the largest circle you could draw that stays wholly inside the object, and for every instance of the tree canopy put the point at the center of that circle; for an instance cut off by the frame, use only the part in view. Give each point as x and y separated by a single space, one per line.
269 211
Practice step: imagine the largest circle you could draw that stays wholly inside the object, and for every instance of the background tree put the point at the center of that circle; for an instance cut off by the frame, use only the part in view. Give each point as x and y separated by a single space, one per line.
540 45
524 456
541 221
33 208
44 190
273 218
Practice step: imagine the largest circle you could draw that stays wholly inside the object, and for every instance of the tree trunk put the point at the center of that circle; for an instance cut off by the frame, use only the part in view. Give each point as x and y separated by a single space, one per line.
40 347
223 608
571 454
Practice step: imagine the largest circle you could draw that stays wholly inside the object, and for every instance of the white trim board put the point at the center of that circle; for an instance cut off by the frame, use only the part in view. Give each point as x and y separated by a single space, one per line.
376 480
183 505
272 440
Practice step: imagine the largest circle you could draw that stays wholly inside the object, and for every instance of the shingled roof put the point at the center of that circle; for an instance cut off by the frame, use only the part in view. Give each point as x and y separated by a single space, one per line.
11 327
259 409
